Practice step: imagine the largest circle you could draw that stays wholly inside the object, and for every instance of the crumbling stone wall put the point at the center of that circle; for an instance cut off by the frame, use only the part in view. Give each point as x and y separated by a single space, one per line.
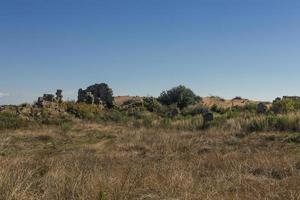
99 94
47 99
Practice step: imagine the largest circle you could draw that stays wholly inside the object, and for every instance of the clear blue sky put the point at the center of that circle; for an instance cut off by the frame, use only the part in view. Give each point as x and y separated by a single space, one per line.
248 48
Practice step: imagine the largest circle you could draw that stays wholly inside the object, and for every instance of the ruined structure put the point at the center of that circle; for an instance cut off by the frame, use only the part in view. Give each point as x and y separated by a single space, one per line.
59 96
47 99
99 94
261 108
208 116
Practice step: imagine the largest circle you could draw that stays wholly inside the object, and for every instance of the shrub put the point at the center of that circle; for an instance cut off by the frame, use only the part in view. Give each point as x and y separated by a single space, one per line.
152 104
115 116
286 123
180 95
257 124
290 122
195 110
218 109
284 106
82 110
249 107
170 111
12 121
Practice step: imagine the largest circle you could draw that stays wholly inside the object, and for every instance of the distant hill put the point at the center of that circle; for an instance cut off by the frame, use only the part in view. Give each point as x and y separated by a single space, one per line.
226 103
121 100
208 101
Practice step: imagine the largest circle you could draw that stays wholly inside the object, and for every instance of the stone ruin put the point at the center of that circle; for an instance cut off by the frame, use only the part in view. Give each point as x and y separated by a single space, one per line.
59 96
99 94
208 116
261 108
47 99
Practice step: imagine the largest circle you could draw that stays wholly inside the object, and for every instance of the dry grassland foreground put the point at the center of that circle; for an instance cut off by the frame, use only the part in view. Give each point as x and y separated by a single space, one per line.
110 161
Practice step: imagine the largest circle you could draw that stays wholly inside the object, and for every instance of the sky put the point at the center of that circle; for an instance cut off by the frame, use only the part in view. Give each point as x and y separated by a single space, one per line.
227 48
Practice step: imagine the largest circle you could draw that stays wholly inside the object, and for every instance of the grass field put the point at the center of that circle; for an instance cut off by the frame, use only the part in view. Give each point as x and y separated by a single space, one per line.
86 160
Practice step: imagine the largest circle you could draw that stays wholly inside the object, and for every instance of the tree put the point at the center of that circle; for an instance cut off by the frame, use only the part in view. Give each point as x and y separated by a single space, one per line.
180 95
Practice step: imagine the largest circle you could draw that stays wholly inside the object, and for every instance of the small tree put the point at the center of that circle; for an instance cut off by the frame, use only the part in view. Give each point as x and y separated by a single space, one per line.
180 95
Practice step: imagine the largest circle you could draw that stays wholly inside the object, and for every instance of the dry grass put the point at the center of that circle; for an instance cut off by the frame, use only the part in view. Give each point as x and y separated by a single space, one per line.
93 161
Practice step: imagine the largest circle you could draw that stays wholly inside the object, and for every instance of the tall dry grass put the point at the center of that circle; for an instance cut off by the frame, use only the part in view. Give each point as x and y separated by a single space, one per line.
94 161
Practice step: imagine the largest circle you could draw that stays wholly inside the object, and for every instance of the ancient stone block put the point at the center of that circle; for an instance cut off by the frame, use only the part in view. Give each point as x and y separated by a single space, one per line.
99 94
261 108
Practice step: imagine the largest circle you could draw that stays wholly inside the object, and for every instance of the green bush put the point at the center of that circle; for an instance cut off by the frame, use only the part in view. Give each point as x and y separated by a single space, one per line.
218 109
289 122
12 121
152 104
250 107
285 106
286 123
180 95
258 124
115 116
82 110
169 111
193 110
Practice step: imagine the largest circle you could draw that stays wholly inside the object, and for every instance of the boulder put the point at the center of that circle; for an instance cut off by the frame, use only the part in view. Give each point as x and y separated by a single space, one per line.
261 108
208 116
